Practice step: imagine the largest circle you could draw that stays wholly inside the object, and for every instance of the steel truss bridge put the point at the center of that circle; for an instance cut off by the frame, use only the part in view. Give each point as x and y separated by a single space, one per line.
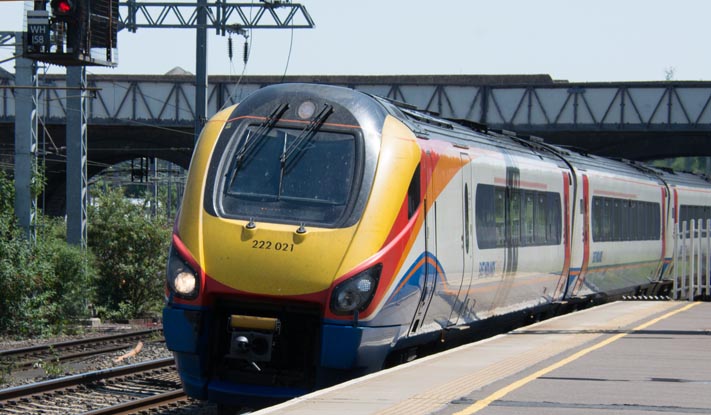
153 116
621 119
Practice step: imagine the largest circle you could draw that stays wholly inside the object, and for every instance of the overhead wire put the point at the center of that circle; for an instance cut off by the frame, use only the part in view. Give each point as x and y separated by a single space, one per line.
247 49
288 57
248 37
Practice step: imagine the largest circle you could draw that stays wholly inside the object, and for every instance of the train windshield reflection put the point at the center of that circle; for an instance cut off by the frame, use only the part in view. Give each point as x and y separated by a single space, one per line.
312 184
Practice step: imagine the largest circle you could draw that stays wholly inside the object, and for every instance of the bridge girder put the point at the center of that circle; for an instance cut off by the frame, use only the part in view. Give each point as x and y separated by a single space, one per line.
603 118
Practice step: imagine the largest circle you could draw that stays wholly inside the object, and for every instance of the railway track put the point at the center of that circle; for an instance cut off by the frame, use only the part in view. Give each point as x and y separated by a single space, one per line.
27 357
124 389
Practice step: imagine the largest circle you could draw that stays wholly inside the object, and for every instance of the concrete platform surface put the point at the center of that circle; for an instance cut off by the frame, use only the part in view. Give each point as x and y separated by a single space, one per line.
627 358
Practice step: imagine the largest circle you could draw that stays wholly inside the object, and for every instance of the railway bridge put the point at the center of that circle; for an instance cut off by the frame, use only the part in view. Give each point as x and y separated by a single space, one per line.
132 116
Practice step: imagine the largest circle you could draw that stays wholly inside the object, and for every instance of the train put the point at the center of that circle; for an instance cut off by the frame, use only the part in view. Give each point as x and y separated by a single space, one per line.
324 230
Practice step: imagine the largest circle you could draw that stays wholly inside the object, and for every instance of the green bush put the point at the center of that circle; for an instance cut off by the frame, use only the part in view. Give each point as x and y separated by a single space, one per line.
46 285
133 249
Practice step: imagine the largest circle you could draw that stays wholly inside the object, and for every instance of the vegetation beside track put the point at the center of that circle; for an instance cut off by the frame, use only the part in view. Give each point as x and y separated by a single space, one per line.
46 287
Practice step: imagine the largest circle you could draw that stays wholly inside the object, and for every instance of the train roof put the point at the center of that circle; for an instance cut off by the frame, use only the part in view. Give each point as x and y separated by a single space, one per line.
466 132
680 178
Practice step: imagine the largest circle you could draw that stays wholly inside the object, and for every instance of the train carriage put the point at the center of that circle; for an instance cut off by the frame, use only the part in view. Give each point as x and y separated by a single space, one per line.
688 202
324 230
620 226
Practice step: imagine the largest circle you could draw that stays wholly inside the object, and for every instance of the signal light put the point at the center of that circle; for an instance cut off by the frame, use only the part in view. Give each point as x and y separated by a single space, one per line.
62 7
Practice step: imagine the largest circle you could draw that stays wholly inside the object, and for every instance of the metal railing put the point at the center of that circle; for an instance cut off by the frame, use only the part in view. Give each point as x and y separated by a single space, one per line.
692 260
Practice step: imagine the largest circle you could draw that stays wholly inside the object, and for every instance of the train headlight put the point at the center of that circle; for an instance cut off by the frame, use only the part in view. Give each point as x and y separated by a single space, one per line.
182 279
355 293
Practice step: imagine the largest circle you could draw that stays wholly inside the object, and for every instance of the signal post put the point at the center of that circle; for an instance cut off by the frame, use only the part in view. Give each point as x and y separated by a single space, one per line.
74 34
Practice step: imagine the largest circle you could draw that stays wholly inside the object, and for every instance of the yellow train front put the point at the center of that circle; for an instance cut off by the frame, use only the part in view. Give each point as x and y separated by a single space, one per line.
287 242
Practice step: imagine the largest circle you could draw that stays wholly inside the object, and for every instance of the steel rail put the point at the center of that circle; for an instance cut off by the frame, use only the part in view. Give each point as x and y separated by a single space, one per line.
75 343
75 380
142 404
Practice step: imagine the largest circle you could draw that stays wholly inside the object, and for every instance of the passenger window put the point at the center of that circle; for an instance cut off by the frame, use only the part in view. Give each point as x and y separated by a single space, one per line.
540 220
515 216
538 216
500 211
625 220
527 221
634 228
554 219
486 231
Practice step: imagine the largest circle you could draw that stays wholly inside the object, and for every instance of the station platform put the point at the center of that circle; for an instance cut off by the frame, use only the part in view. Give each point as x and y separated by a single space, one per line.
627 358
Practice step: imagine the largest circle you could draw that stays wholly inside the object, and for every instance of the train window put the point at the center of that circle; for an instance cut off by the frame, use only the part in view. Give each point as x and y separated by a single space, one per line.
633 228
616 220
500 212
554 219
485 216
280 176
688 213
413 193
597 218
527 219
624 220
532 218
515 217
540 220
656 217
606 220
641 220
683 213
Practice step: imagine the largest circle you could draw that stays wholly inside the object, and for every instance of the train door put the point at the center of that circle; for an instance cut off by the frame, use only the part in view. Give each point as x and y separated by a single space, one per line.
584 210
445 260
569 195
512 235
464 303
430 255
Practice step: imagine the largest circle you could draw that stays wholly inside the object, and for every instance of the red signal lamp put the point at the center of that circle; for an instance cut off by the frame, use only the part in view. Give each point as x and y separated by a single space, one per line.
62 7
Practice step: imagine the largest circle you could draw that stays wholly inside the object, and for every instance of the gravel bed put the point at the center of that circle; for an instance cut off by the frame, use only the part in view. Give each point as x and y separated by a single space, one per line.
46 370
83 333
149 351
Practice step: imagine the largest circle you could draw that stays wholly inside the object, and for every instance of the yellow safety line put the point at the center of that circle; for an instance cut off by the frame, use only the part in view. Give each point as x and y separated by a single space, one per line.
483 403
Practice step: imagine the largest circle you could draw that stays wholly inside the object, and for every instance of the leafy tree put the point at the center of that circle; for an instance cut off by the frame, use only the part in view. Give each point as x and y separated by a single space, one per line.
133 250
699 165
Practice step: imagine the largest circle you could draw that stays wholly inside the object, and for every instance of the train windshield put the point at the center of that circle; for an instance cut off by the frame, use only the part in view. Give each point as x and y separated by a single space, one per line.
289 176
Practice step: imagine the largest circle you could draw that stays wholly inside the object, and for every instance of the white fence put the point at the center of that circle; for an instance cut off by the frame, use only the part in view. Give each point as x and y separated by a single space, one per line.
692 260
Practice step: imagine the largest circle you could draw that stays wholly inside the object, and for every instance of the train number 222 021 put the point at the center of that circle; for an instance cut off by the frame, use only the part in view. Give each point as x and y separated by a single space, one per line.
276 246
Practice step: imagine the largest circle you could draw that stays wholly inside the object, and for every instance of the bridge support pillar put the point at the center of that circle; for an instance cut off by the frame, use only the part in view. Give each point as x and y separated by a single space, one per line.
77 192
25 140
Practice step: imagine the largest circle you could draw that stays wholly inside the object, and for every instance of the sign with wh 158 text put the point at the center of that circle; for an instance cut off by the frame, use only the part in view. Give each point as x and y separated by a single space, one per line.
38 37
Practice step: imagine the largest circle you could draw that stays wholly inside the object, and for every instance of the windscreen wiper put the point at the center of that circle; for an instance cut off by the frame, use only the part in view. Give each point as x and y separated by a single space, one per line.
304 137
249 144
306 134
261 132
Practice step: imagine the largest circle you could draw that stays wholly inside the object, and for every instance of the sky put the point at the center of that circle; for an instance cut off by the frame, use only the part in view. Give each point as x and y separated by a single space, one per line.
574 40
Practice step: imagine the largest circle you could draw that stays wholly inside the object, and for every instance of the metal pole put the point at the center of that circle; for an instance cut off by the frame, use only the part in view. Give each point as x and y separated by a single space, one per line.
707 273
169 196
25 140
154 188
77 194
201 68
675 264
685 260
692 272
